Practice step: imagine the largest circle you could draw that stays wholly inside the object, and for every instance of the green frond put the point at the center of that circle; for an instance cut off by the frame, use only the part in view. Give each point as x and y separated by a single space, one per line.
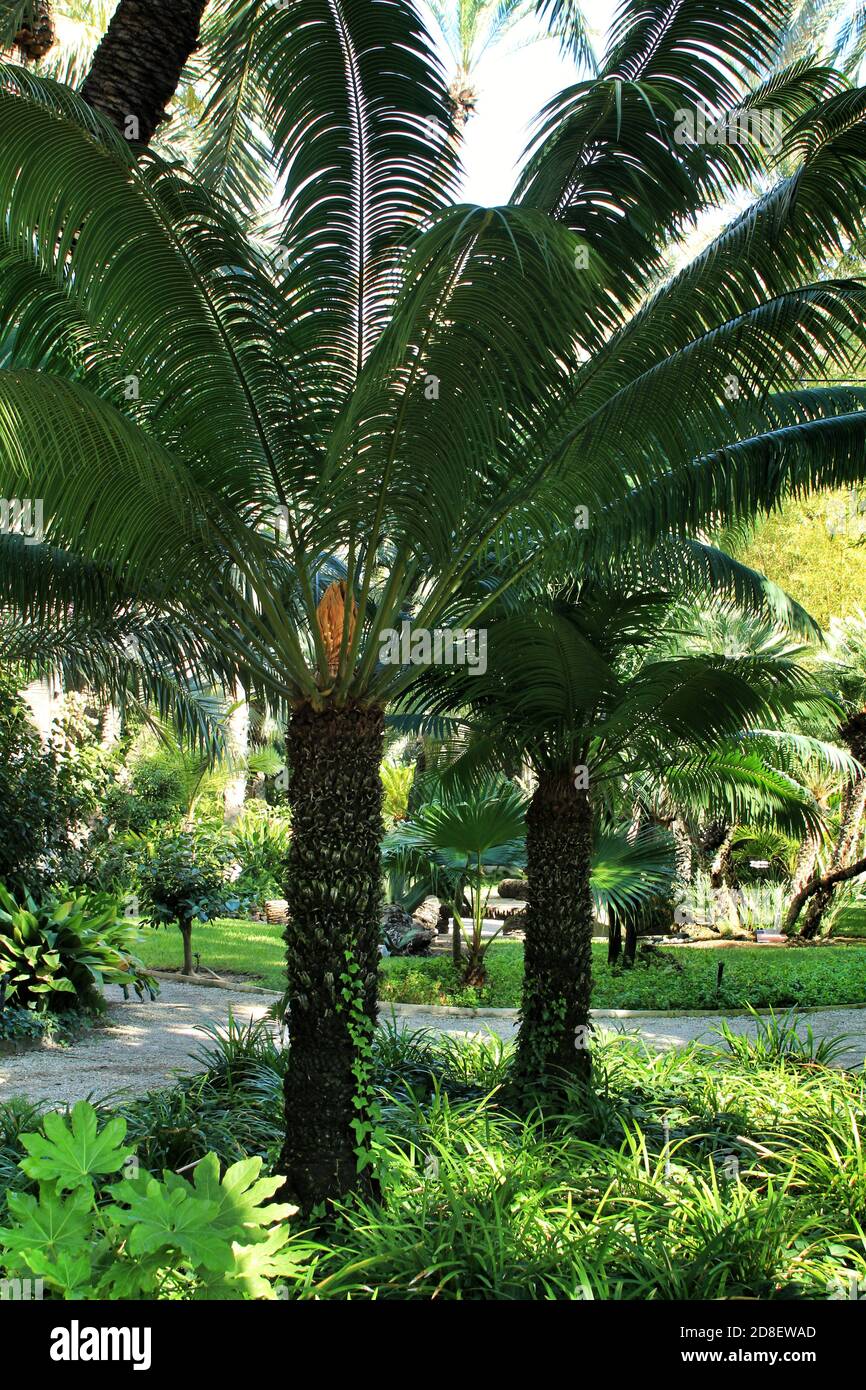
627 871
357 111
736 786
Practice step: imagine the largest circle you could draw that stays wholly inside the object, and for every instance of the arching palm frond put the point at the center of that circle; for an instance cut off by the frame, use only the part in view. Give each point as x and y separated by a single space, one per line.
628 871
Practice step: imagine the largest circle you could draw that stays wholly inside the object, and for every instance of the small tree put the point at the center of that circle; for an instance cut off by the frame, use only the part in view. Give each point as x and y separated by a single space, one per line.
184 879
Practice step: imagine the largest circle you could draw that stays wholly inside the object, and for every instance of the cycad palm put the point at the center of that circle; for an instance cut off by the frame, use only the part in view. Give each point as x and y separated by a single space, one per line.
406 386
595 687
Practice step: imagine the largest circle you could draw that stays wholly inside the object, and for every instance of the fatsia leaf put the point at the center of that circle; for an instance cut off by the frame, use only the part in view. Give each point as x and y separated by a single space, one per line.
173 1219
70 1274
257 1269
51 1224
74 1154
240 1200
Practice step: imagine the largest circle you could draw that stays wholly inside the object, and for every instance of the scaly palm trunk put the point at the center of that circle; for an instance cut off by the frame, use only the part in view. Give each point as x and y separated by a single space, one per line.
415 798
554 1028
36 34
722 881
807 859
333 892
137 66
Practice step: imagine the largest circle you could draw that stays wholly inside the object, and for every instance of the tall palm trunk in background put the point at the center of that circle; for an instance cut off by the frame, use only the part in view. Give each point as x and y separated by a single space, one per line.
238 739
722 881
137 66
333 891
807 859
554 1029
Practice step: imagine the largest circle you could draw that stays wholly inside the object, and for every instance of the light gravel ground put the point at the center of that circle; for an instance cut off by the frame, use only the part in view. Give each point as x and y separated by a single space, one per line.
149 1044
667 1033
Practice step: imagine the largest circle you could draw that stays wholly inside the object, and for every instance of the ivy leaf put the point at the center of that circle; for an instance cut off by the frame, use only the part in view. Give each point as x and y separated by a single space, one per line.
73 1156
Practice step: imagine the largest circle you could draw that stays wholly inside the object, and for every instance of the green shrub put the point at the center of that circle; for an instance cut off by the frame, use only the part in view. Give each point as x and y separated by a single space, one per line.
211 1238
49 793
397 781
261 838
727 1171
31 828
59 954
183 877
25 1025
156 793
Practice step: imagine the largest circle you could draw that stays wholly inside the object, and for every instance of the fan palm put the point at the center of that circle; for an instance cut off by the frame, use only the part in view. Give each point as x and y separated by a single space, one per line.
407 385
465 839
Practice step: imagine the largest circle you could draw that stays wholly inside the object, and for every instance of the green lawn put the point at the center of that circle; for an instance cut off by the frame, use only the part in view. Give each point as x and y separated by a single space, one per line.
759 976
227 945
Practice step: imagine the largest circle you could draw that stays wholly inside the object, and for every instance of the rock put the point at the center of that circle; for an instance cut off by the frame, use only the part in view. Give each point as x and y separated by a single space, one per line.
402 935
515 921
434 914
734 932
428 914
516 888
695 931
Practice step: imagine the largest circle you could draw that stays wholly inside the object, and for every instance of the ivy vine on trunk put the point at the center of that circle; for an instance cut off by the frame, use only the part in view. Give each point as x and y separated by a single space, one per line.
554 1029
333 891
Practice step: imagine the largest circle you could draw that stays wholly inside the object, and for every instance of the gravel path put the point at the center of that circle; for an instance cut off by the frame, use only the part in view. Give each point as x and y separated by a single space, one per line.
667 1033
150 1043
146 1046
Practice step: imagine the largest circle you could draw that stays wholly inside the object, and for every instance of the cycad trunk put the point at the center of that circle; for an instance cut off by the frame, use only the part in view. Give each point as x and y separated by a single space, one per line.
844 852
554 1029
333 892
415 799
807 859
137 66
36 33
722 882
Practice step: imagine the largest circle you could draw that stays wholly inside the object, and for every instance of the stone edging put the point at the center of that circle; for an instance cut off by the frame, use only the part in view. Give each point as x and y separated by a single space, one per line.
412 1010
173 977
454 1011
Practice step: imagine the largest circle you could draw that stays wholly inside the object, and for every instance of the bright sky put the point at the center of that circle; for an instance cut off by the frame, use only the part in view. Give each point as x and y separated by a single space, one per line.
515 83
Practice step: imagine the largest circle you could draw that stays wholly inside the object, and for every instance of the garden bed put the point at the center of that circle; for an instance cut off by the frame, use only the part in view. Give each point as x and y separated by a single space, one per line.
659 1191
